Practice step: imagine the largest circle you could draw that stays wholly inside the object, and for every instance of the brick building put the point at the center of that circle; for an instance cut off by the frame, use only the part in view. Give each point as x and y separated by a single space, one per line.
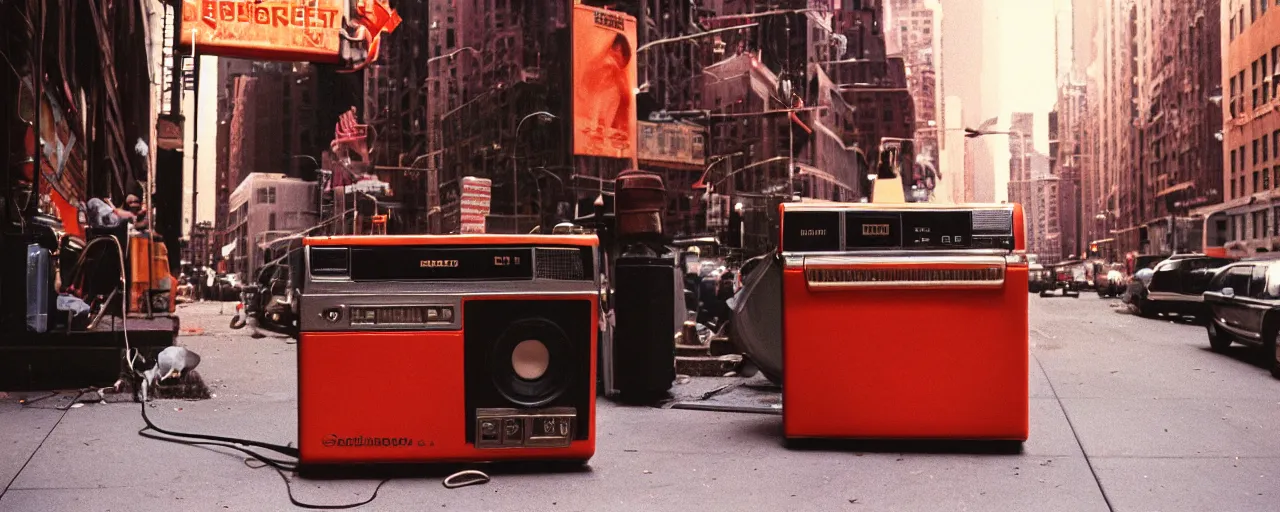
1151 153
1179 159
490 66
1113 113
269 121
1250 32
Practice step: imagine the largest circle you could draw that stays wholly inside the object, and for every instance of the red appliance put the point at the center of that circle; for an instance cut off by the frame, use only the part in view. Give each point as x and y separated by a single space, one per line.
459 348
904 321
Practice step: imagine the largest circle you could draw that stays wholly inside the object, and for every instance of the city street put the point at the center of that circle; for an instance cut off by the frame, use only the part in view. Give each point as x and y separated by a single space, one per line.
1126 414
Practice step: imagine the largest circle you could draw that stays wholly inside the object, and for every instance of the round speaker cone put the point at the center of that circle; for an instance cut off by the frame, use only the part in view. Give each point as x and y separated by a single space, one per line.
532 362
530 359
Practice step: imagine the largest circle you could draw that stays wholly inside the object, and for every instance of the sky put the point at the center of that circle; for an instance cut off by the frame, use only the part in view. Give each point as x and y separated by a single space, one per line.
1013 70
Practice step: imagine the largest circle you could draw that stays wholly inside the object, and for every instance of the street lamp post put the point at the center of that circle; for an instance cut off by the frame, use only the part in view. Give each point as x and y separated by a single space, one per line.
1026 157
515 148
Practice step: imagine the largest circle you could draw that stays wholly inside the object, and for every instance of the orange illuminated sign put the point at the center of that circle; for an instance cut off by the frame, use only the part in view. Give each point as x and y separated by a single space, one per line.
265 29
604 80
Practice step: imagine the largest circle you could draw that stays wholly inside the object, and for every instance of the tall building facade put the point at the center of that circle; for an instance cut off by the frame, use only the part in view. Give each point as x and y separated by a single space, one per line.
268 122
1250 77
395 108
1179 159
1112 134
490 65
1066 147
914 24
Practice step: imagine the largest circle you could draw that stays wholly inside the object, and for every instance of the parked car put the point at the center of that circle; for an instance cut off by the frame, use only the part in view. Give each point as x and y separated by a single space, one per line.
1109 279
1069 277
1176 286
1244 304
1038 278
1140 270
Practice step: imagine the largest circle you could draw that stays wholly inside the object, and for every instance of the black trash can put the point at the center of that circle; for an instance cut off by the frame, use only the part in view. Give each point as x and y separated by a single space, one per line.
644 353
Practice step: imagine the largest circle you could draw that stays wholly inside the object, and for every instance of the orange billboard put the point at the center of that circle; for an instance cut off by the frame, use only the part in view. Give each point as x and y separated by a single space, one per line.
303 30
604 81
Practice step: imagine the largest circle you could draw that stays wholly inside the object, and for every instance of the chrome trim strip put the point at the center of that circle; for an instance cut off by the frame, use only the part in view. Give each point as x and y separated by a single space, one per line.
941 265
313 306
550 286
857 261
797 259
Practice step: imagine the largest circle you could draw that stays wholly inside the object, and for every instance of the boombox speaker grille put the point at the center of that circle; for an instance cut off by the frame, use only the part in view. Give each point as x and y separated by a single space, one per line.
494 332
559 264
992 221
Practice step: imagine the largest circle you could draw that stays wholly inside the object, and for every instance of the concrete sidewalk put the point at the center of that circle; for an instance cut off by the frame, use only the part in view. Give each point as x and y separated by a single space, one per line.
91 457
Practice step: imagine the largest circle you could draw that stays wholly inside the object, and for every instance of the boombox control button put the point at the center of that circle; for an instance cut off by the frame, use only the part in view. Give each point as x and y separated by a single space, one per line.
332 314
489 430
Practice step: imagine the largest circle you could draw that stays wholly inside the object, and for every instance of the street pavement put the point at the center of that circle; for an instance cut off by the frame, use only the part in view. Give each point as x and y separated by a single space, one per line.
1127 414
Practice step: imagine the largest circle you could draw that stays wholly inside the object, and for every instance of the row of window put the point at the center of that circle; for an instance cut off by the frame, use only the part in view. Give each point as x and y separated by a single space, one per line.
1264 148
1255 225
1264 80
1257 9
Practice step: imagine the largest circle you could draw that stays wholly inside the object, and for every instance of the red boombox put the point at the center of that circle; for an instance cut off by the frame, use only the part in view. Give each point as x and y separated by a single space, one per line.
462 348
904 321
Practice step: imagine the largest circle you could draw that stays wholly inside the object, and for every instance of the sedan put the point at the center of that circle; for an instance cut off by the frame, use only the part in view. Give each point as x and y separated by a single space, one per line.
1244 303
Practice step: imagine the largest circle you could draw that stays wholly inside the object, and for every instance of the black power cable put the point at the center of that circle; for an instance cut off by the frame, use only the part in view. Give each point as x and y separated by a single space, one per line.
280 466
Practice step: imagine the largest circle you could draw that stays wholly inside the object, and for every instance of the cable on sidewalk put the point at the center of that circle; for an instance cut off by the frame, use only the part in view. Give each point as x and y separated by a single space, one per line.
256 460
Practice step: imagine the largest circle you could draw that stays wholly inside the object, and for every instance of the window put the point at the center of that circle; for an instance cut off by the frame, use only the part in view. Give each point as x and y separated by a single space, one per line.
1266 89
1255 151
1255 180
1233 161
1266 180
1273 282
1258 282
271 221
1233 188
1275 71
1264 149
1238 278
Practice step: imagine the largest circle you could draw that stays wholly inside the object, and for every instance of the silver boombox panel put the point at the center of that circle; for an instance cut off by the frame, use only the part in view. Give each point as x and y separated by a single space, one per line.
323 295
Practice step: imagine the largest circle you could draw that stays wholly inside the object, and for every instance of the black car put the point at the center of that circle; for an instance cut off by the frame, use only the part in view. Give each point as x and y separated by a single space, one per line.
1244 301
1176 286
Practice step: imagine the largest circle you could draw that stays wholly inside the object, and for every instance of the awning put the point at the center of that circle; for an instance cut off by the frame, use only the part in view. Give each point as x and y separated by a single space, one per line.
1234 203
1179 187
228 249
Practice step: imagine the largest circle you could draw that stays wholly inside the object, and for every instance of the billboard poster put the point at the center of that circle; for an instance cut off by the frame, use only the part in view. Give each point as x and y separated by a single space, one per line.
304 30
604 81
671 143
474 206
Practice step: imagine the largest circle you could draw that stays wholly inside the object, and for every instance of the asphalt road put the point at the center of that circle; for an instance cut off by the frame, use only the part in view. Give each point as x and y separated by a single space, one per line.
1127 414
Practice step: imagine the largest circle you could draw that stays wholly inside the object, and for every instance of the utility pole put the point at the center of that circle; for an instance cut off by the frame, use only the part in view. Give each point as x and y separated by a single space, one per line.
195 141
